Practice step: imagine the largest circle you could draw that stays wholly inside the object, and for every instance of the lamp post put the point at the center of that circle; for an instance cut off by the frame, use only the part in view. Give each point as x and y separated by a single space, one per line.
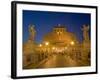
47 47
72 43
46 43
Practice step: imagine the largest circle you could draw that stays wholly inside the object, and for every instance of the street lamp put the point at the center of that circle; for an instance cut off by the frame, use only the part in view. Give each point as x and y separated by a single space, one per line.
72 43
40 45
46 43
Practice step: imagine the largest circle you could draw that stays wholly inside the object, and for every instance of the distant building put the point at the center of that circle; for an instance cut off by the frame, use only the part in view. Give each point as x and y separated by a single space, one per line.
60 36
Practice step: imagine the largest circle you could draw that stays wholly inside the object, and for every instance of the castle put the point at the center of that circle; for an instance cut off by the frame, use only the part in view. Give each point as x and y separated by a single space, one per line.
58 41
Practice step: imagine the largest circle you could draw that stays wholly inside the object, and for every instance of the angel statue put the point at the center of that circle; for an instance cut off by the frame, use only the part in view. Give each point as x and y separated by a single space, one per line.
85 30
32 32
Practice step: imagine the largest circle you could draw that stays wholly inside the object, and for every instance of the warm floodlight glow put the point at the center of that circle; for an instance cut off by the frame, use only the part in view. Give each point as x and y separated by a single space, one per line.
66 47
72 43
46 43
40 45
53 48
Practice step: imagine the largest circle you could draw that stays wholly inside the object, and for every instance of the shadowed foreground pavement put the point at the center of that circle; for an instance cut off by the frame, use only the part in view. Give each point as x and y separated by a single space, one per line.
58 61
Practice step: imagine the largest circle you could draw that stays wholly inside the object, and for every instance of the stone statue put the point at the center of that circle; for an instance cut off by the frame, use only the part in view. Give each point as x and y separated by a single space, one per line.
85 30
32 32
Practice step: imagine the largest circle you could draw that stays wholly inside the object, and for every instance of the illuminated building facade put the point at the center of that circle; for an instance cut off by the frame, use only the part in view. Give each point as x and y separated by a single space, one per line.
58 41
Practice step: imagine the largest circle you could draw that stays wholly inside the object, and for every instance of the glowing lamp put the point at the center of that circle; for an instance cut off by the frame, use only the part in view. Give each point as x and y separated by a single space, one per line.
46 43
40 45
72 43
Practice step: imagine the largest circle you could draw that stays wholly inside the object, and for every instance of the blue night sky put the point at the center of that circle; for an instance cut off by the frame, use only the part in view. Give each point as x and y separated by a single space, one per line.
45 21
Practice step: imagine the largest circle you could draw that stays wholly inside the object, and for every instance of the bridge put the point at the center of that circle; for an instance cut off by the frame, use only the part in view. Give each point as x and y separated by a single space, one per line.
55 61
